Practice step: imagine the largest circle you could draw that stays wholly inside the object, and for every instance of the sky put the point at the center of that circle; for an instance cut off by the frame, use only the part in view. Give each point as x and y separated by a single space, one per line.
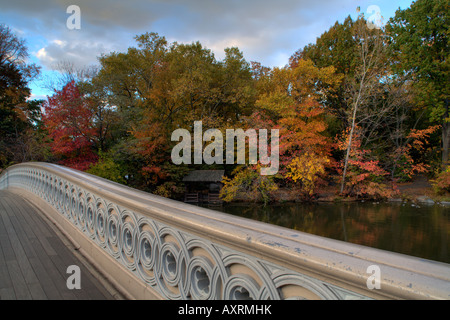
266 31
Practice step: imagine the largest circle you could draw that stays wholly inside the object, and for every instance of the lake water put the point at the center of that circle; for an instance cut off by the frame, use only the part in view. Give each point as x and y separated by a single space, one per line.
417 230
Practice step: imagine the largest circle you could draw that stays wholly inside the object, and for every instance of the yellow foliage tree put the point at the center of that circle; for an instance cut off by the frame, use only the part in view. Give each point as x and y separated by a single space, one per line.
306 170
248 184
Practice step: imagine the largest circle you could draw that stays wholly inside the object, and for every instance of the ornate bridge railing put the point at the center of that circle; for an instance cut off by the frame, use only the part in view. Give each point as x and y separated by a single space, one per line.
158 248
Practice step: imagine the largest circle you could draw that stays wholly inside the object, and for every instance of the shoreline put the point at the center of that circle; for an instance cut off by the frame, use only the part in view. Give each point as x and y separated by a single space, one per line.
418 191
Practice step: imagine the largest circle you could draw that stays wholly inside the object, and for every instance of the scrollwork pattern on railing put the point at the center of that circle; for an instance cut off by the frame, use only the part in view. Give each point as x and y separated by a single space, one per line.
177 264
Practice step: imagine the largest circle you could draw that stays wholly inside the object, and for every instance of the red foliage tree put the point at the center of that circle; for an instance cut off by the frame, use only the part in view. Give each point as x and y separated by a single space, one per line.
68 119
365 176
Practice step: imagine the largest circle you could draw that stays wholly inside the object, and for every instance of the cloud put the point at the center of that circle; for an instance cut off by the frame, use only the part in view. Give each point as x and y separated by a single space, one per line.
79 52
263 29
268 31
37 97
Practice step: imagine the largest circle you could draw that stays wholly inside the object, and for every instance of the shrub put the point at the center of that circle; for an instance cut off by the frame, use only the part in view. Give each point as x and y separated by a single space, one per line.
248 184
168 189
365 177
108 169
441 184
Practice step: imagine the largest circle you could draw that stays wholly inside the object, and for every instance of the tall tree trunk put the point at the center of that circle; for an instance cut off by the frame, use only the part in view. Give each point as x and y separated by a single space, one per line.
355 109
349 147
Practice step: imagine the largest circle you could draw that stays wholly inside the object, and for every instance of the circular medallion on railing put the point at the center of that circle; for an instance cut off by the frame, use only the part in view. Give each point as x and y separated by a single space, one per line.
33 180
112 231
66 201
200 275
173 259
241 287
60 196
146 264
100 227
146 256
127 239
147 251
50 191
212 264
44 184
46 188
56 186
128 242
90 217
170 264
100 218
53 192
39 184
256 271
73 205
81 212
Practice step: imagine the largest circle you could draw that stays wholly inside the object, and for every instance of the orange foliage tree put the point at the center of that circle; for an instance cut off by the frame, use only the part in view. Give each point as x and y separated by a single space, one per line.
293 97
405 166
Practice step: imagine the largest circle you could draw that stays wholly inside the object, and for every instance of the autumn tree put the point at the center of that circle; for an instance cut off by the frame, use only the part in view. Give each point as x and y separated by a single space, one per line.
158 86
369 73
371 96
293 98
420 49
16 126
107 121
365 179
68 118
336 47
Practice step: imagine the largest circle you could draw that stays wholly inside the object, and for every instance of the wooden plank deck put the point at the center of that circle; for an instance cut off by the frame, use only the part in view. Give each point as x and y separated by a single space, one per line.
34 258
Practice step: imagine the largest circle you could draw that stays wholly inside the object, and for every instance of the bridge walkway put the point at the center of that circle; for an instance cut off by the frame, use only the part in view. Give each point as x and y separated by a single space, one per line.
35 255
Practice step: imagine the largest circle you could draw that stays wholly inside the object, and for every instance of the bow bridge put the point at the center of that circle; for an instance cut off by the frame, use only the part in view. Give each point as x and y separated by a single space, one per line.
149 247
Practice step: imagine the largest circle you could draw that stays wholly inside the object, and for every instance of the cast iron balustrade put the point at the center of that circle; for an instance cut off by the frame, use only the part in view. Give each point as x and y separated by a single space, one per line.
176 250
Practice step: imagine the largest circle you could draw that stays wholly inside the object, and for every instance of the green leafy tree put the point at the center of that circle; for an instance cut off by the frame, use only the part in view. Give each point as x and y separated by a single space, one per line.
337 47
419 41
157 87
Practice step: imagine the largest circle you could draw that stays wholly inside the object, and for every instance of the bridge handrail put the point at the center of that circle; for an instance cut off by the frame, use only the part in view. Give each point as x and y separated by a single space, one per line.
182 251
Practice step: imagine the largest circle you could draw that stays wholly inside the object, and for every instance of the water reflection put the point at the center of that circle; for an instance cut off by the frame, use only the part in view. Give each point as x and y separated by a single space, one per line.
418 231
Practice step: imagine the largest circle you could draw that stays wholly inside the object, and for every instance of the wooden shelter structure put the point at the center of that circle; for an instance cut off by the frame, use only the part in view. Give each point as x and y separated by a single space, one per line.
203 186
